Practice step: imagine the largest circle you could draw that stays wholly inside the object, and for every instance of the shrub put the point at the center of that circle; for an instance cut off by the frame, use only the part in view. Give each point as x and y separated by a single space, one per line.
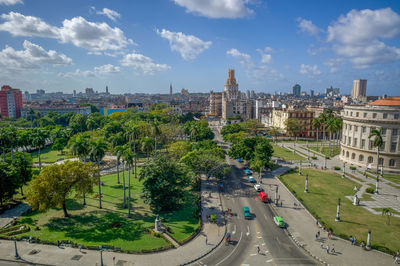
370 190
353 168
314 157
336 168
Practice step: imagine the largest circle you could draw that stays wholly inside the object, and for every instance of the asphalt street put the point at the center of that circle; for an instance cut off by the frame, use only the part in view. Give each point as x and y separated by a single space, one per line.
275 246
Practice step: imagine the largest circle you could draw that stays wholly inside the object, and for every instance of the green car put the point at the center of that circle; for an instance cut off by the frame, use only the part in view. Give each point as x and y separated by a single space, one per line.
279 221
246 213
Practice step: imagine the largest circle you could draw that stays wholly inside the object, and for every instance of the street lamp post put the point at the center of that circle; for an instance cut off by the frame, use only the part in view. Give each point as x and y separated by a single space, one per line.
325 162
368 247
306 188
337 219
17 257
101 256
308 152
300 167
377 185
276 195
344 169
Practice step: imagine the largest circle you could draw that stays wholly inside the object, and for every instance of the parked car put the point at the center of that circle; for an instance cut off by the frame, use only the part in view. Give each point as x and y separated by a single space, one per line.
258 187
247 171
279 221
263 197
246 213
251 179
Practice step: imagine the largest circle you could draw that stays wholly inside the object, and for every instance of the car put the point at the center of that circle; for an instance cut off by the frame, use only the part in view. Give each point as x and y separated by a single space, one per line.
251 179
279 221
246 213
258 187
263 197
247 171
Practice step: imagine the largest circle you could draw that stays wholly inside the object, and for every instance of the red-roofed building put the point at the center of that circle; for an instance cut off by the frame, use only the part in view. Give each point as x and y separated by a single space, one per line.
10 102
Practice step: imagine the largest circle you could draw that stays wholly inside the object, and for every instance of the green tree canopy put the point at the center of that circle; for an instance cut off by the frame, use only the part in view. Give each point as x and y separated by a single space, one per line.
179 149
56 183
230 129
8 182
164 183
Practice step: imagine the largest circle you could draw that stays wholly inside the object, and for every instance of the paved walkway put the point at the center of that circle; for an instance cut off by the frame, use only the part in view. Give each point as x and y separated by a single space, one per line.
302 227
208 239
7 217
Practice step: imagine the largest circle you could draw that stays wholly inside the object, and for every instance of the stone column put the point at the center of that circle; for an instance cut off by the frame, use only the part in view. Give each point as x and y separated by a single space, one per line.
337 219
368 247
355 200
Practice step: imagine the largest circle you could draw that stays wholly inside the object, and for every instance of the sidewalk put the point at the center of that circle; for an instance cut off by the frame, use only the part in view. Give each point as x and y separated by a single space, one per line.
194 249
302 228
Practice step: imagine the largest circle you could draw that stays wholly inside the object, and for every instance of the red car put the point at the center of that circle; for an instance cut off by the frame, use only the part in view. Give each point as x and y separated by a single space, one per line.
263 197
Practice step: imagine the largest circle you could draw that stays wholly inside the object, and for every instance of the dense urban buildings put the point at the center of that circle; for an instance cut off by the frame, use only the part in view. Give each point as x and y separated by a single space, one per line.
10 102
304 118
359 92
358 122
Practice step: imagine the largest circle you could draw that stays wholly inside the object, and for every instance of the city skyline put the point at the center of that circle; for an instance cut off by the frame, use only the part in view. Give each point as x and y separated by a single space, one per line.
142 47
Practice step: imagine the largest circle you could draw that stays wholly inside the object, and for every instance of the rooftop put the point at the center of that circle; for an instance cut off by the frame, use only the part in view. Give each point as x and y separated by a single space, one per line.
389 101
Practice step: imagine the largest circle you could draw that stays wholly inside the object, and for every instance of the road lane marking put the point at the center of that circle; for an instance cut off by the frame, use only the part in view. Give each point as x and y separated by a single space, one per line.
248 231
241 233
253 254
234 230
269 260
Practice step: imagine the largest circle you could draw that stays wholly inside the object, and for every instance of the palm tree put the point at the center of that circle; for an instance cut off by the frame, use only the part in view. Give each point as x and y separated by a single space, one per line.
39 140
338 127
378 142
146 146
91 124
330 126
128 158
31 115
316 123
12 139
97 152
80 146
156 131
193 133
118 150
274 131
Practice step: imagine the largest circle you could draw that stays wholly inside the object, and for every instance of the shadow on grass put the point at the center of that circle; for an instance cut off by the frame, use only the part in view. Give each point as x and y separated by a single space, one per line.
350 222
117 186
95 226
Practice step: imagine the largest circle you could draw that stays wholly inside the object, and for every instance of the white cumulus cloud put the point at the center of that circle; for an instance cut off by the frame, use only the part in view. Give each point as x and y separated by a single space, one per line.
32 57
309 70
307 26
266 56
143 63
217 8
78 31
245 59
359 35
96 72
111 14
10 2
188 46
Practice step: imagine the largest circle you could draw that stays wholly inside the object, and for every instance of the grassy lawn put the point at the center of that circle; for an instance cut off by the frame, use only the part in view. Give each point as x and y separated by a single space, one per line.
325 188
285 154
335 150
90 226
390 209
390 177
47 155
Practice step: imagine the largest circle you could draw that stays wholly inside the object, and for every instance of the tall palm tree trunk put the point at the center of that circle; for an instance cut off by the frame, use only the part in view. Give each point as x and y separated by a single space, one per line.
118 172
330 138
129 190
123 182
377 161
40 162
317 138
98 167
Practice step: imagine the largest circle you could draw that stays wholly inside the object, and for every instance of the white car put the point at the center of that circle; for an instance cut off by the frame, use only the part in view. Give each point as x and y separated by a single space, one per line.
258 187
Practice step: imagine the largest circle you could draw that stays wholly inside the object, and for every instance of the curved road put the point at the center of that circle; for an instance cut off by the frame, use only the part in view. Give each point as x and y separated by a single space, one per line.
276 247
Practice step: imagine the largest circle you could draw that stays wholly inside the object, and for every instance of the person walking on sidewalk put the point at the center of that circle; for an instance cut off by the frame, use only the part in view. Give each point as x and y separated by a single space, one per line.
206 240
327 249
333 249
258 249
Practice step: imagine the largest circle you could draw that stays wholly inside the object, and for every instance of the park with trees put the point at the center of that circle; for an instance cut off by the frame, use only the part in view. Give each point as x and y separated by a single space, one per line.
102 180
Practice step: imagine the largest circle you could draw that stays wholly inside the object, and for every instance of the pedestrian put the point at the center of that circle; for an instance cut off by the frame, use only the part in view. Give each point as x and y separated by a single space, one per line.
322 245
206 240
30 239
354 240
294 205
318 234
114 260
316 222
258 249
206 217
327 249
396 260
80 248
333 248
58 243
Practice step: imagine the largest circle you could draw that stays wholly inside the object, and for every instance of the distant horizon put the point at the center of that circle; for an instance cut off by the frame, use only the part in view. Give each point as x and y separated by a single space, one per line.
144 46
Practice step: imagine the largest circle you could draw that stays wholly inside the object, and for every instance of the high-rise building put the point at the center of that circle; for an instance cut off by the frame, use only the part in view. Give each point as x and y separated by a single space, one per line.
89 91
10 102
359 92
107 90
170 91
296 90
216 103
312 93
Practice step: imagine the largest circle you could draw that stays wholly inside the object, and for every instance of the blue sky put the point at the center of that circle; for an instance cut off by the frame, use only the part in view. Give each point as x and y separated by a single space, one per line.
142 46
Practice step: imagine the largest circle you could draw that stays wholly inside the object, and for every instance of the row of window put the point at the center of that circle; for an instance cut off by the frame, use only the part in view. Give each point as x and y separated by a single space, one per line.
370 159
364 129
374 115
353 142
297 115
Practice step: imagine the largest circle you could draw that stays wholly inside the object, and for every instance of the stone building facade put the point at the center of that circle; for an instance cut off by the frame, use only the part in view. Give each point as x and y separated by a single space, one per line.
358 122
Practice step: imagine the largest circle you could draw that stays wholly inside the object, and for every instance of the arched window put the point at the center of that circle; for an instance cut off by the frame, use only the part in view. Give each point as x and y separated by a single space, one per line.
370 159
391 162
347 154
343 153
353 156
361 157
